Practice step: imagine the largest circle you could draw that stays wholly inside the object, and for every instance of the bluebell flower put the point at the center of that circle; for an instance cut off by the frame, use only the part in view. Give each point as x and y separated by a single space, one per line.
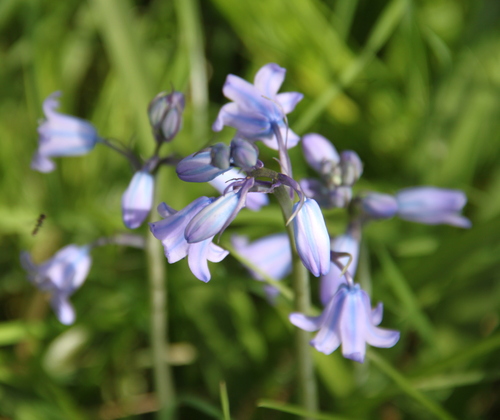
311 237
270 254
137 200
170 231
198 167
60 276
348 243
215 217
348 319
165 115
255 200
61 135
258 110
432 206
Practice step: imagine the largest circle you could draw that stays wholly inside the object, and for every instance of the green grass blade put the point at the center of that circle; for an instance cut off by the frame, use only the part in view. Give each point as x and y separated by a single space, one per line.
407 387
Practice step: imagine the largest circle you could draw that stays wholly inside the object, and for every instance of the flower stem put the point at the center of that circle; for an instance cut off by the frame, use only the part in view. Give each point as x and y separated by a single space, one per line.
306 381
159 338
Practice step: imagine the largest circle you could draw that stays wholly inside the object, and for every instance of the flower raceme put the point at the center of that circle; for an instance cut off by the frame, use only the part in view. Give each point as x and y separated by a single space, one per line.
170 231
61 135
60 276
348 320
257 109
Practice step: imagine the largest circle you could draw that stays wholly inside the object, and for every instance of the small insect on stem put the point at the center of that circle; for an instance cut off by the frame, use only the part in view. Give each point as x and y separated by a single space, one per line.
39 223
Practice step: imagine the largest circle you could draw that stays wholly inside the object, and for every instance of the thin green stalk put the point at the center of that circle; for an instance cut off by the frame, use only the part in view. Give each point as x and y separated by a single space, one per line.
305 367
157 276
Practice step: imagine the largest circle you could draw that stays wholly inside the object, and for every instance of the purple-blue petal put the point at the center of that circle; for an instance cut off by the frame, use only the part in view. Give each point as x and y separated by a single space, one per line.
269 79
170 231
379 206
209 221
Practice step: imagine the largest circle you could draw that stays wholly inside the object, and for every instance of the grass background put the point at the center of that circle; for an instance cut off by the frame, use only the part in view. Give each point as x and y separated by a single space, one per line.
412 86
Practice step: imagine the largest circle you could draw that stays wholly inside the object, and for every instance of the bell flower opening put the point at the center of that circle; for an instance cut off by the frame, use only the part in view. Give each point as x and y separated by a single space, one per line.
61 135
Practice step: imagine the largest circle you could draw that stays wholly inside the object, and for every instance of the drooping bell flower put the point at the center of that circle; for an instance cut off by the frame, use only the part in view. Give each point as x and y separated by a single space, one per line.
311 237
347 320
137 200
61 135
170 231
270 254
60 276
258 109
432 206
215 217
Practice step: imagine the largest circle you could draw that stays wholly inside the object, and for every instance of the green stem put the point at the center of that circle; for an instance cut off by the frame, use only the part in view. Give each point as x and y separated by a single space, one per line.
159 337
305 368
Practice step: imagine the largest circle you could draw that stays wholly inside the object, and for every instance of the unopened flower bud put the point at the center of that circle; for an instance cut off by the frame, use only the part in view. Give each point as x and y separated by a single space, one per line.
165 115
220 154
351 166
244 153
198 168
320 153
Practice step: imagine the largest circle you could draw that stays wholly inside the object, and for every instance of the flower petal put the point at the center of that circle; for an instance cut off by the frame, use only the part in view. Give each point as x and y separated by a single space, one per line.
170 231
209 221
137 200
288 100
63 309
306 323
269 79
353 323
197 167
198 255
271 254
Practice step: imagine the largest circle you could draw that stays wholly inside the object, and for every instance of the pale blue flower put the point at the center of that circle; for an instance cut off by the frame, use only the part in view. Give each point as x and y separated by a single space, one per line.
60 276
258 110
61 135
137 200
270 254
432 206
348 319
170 231
311 237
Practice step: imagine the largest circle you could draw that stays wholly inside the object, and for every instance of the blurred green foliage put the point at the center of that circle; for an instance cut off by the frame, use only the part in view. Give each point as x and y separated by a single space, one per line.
412 85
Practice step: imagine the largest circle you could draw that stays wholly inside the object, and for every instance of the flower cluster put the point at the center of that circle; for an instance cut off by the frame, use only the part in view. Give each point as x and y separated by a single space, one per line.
258 112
